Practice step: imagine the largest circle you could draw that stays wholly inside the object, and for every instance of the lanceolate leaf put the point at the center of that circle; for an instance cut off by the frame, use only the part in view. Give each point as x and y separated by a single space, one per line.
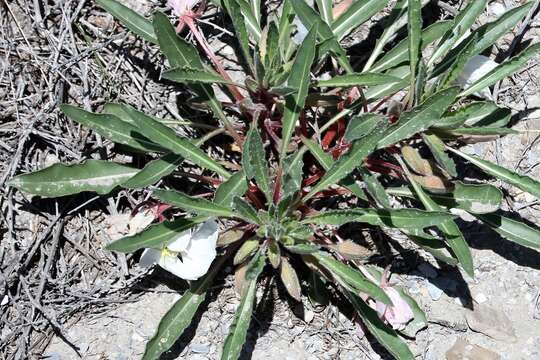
327 161
166 137
379 91
477 199
400 53
192 75
522 182
488 34
181 54
254 161
513 230
361 125
245 211
451 232
292 175
239 23
192 204
375 188
503 70
469 114
420 118
414 27
298 79
358 79
238 330
290 279
132 20
153 171
351 277
349 161
356 15
325 9
236 185
156 236
436 146
394 218
179 317
61 180
384 335
111 127
463 22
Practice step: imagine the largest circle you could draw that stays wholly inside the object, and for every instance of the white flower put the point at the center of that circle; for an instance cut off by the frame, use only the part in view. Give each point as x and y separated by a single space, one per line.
197 250
475 69
399 313
181 7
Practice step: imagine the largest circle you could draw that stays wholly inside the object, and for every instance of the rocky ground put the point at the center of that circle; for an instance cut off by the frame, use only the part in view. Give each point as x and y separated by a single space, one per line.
97 305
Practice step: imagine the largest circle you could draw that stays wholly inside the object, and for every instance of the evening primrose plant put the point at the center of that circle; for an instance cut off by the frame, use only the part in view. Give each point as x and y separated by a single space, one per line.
307 142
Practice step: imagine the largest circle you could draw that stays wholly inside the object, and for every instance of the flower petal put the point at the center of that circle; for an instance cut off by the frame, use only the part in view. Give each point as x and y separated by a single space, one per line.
180 242
202 250
149 257
400 313
475 69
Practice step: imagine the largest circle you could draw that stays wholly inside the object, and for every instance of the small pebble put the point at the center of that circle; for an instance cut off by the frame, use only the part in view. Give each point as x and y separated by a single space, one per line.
434 291
480 298
200 348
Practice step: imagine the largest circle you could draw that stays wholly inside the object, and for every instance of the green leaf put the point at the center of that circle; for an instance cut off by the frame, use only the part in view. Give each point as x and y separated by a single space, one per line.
420 118
477 131
391 25
192 75
237 332
61 180
469 114
451 232
488 34
111 127
522 182
239 23
180 315
132 20
357 79
359 150
155 236
458 66
245 251
513 230
298 79
414 29
327 161
379 91
384 335
503 70
477 199
154 171
394 218
292 175
462 22
325 9
182 54
357 13
436 146
400 53
251 19
236 185
375 188
309 18
192 204
361 125
167 137
351 277
246 211
254 161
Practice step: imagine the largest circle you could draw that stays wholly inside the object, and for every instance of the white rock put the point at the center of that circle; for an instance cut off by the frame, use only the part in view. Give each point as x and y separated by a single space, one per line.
480 298
434 292
497 9
5 300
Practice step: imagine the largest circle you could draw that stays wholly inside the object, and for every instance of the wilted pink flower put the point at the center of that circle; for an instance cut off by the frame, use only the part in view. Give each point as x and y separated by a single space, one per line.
399 313
182 7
